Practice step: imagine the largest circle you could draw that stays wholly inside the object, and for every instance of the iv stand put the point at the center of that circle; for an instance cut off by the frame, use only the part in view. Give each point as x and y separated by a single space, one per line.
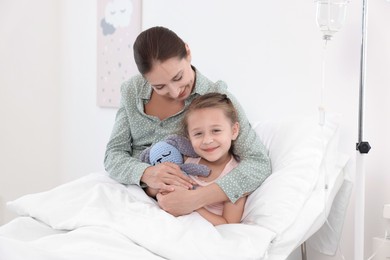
362 148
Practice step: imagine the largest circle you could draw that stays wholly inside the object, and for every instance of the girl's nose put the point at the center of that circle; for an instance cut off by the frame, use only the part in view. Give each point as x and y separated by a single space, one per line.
208 140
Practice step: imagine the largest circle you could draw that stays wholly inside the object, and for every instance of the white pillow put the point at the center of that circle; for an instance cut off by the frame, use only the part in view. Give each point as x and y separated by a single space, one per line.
300 150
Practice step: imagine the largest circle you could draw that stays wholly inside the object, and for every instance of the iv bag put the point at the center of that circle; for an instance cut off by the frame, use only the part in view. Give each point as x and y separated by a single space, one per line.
330 16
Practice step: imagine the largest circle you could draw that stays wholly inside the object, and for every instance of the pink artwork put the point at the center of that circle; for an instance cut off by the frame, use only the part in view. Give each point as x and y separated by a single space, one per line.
119 23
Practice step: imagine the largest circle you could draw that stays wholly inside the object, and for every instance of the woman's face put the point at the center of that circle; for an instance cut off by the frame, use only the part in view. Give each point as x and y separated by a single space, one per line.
173 78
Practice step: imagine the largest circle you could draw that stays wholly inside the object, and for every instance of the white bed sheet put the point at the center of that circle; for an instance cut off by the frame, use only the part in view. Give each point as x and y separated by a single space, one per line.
96 218
314 215
28 238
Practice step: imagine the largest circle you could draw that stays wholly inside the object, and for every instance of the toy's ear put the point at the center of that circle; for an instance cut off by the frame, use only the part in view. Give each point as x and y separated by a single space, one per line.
195 169
182 144
144 156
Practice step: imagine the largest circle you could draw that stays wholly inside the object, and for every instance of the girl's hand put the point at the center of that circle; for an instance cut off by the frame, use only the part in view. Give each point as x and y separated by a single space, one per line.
179 202
153 192
165 176
182 202
165 192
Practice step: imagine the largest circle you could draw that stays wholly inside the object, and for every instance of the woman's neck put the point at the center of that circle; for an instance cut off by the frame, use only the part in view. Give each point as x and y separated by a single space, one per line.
157 102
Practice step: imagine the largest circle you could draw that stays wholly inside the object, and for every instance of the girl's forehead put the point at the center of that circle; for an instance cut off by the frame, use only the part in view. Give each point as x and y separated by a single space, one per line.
209 113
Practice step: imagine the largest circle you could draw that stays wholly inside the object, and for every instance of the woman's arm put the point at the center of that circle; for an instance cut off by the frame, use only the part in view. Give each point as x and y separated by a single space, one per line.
120 162
232 213
255 165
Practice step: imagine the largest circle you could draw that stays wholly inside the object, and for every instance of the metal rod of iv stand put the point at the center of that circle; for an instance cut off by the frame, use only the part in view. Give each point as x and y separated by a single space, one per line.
362 147
362 82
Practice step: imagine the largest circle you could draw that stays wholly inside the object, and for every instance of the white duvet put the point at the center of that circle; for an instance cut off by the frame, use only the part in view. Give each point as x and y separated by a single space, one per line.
95 206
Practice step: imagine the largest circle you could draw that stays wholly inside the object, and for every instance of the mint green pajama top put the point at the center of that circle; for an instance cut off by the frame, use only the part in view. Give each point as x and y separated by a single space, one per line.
134 131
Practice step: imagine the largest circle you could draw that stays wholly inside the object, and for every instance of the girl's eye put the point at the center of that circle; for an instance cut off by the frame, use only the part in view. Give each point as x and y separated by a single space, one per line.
216 130
197 134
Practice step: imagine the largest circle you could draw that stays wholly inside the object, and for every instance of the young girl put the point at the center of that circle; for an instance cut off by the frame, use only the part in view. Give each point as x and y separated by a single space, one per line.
211 124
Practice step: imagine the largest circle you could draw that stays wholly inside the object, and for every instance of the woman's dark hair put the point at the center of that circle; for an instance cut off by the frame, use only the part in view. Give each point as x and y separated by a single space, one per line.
157 44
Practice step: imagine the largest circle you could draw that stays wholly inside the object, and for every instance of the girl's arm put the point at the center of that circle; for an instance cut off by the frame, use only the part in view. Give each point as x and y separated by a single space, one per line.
232 213
181 202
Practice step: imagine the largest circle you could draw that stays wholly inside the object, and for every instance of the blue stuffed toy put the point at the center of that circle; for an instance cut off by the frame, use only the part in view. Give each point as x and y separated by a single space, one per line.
172 149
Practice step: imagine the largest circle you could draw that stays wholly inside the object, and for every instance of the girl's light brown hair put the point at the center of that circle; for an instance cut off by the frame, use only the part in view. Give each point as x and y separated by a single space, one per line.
211 100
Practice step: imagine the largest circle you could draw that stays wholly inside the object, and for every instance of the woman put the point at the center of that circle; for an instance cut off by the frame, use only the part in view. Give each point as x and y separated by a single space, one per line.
152 107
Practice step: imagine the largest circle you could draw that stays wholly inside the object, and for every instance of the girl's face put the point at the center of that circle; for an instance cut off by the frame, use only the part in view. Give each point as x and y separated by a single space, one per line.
173 78
211 134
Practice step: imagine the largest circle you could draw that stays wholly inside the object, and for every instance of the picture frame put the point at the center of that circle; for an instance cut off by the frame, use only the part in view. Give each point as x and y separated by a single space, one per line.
118 24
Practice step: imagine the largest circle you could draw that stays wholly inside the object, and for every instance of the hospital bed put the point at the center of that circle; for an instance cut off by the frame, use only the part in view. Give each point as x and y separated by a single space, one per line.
303 201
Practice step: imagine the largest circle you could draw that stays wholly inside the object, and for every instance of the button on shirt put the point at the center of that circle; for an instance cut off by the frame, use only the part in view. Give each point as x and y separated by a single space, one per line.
134 131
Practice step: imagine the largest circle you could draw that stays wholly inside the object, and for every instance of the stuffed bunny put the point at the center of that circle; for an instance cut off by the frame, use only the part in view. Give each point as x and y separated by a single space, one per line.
172 149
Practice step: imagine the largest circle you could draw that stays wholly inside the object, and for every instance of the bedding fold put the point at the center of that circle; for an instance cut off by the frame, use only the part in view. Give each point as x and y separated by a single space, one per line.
97 201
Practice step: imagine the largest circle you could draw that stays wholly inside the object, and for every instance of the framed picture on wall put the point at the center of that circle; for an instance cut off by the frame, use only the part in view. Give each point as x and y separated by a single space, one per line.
119 23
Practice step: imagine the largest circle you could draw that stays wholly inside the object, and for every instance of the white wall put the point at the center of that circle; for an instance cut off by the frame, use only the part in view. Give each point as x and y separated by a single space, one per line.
260 48
29 98
51 129
85 126
378 120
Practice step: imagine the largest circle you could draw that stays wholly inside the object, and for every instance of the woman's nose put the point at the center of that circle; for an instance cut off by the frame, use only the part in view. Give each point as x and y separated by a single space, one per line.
175 91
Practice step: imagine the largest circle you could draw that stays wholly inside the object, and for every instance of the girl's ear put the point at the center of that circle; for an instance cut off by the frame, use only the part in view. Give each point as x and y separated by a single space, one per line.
235 130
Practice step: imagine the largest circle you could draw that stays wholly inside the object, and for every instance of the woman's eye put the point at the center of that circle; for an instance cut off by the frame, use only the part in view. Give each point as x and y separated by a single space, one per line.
158 87
178 78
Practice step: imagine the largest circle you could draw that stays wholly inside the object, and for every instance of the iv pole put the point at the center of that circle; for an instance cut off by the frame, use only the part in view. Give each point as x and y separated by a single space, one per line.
362 148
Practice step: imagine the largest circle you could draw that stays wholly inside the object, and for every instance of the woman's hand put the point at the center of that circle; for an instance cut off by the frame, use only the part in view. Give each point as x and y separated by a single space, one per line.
165 176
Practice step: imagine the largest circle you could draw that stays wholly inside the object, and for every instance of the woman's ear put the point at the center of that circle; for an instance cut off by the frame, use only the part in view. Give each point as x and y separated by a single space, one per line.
188 52
235 130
